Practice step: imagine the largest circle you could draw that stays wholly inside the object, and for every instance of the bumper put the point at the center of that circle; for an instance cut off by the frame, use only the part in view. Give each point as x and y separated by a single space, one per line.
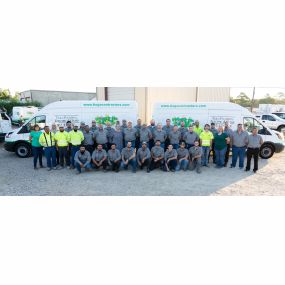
9 146
279 147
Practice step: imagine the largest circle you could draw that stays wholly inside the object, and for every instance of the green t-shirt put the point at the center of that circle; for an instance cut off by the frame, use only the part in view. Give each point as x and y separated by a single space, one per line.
220 141
35 138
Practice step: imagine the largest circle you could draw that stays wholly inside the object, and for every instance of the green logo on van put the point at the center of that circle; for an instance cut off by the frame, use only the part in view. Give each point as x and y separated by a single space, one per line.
177 121
106 119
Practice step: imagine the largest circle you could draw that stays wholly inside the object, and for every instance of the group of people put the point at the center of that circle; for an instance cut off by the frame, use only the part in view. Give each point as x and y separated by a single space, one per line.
170 148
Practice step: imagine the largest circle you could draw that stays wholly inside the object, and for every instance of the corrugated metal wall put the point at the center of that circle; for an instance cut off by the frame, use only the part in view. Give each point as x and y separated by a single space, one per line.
121 93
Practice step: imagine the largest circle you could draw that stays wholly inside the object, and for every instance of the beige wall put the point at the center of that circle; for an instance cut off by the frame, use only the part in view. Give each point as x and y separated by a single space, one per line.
147 96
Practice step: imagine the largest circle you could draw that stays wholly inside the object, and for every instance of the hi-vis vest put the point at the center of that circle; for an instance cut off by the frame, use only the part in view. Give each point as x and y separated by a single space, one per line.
75 138
47 140
62 138
206 138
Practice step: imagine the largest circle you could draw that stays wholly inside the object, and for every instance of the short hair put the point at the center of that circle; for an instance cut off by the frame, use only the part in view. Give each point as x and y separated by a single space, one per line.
212 124
68 122
113 144
206 125
157 141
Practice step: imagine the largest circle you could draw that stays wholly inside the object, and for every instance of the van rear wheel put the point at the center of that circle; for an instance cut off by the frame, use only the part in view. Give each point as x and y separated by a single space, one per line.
280 128
23 150
266 151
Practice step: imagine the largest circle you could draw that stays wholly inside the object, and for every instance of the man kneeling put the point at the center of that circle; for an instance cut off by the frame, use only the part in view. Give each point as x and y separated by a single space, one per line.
143 157
170 158
114 158
195 157
129 157
82 159
99 157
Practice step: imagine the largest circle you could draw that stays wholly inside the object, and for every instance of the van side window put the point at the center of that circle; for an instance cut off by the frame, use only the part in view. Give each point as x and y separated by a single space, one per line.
250 122
270 118
39 120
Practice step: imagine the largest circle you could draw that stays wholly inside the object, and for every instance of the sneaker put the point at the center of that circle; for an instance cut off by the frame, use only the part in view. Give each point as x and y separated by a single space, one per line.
77 172
254 171
59 168
49 169
68 167
54 168
246 170
232 166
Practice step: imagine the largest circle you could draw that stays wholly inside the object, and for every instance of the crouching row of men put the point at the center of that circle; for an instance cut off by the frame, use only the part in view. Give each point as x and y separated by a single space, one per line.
170 160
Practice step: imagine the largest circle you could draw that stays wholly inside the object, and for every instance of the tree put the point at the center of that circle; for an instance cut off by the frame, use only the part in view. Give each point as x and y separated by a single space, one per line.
5 94
242 99
267 100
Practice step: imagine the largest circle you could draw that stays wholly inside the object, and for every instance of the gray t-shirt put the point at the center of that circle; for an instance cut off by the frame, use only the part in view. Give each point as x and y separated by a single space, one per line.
195 151
190 138
99 154
101 136
254 141
130 134
182 152
159 135
174 137
145 135
170 154
143 153
157 151
114 155
239 139
88 138
126 153
83 158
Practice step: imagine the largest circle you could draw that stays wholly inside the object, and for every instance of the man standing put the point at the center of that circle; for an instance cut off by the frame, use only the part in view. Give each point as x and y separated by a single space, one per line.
197 128
183 157
82 159
143 157
157 156
99 158
170 158
175 137
206 138
239 140
54 131
190 137
68 128
100 137
151 127
138 128
145 135
48 142
183 130
195 157
94 127
88 139
75 139
82 127
114 158
62 142
160 135
130 134
253 147
214 131
229 132
110 134
129 157
167 128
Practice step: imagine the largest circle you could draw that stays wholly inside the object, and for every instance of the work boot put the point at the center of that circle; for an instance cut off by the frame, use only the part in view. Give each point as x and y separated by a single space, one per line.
49 169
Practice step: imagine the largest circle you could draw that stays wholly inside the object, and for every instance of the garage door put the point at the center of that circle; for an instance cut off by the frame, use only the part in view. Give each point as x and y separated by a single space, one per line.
121 93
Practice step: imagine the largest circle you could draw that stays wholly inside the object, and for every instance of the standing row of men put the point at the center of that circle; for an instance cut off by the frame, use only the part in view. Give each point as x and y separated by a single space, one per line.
133 142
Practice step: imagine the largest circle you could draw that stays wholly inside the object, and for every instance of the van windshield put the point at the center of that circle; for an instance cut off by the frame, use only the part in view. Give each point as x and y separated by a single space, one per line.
250 123
39 120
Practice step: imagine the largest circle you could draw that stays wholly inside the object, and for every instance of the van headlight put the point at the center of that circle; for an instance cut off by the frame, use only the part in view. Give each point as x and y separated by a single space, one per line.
8 135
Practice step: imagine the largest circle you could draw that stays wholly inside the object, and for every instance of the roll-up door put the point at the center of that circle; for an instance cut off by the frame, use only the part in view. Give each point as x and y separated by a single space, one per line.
121 93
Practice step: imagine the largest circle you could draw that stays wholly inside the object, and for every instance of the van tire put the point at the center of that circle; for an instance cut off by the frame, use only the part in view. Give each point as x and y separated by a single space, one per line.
279 129
266 151
23 150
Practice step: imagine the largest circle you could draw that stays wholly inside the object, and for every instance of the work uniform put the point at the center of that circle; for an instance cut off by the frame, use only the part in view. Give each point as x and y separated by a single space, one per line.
206 138
110 135
157 152
190 138
48 142
138 140
62 142
75 139
161 136
84 158
94 129
167 130
68 130
98 155
118 139
100 136
220 148
197 130
195 162
54 131
145 136
88 141
253 148
130 135
184 163
183 131
173 163
152 128
126 154
239 142
114 159
174 138
144 154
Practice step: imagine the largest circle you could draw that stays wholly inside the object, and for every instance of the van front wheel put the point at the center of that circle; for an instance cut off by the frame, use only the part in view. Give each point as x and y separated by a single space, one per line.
23 150
266 151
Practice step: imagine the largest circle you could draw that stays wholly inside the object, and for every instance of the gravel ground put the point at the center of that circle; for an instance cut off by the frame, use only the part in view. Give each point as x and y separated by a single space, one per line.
17 177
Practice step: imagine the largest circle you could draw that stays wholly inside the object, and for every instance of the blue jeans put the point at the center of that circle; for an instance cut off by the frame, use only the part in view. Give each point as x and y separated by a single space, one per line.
37 154
132 162
205 155
74 149
238 152
50 154
182 165
220 156
77 165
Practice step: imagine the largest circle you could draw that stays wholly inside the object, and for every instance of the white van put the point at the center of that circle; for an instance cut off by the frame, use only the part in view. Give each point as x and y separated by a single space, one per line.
74 111
219 113
5 125
272 121
22 114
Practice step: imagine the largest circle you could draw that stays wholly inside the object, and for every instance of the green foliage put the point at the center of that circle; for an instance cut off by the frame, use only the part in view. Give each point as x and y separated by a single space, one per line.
5 94
106 119
9 103
177 121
